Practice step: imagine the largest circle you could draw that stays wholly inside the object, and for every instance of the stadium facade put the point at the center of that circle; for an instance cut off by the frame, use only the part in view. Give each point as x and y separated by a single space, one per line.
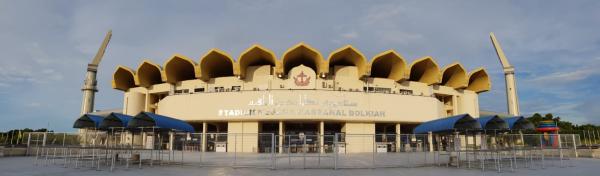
300 93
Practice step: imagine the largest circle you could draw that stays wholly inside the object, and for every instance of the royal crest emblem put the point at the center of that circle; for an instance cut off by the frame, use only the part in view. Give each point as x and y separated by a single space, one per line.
302 79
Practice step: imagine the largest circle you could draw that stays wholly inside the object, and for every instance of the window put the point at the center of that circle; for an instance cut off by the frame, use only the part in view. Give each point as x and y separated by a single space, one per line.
236 88
406 92
199 90
219 89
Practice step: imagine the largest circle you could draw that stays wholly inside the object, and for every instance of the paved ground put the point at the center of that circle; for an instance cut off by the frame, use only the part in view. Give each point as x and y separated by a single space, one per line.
19 166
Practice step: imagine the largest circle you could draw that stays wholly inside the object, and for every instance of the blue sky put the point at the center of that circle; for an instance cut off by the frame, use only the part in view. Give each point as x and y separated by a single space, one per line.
45 45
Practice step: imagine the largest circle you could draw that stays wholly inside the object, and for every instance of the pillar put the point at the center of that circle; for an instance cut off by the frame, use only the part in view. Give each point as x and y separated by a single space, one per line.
484 141
575 146
204 127
146 105
321 136
430 141
43 140
144 138
281 136
171 140
398 138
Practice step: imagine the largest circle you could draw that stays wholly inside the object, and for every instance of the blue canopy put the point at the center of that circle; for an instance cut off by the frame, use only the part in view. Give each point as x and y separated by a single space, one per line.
492 122
148 119
448 124
88 121
519 123
115 120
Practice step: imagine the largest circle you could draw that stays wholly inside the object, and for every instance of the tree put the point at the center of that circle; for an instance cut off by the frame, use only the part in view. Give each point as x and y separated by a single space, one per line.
548 116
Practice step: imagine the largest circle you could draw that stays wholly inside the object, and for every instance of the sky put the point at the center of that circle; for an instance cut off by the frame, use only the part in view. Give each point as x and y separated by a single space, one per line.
45 46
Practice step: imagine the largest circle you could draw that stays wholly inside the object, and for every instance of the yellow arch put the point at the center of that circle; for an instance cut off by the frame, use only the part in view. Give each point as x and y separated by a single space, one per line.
180 68
123 78
216 63
148 73
255 55
302 54
349 55
389 64
425 70
455 76
479 81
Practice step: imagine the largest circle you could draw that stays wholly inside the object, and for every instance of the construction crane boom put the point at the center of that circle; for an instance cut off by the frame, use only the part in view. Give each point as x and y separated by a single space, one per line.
509 75
89 86
102 49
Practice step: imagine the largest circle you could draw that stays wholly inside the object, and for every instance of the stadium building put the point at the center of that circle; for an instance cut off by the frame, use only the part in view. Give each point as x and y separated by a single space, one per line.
301 93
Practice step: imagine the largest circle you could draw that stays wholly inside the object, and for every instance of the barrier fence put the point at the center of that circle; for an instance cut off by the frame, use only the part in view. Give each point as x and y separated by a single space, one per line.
119 149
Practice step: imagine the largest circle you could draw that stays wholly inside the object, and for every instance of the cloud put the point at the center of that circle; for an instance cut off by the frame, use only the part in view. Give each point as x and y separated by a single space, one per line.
350 35
568 75
46 48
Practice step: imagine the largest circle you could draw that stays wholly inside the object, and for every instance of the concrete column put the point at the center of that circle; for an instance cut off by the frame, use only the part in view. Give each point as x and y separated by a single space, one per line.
29 143
44 139
455 105
398 138
321 136
430 141
144 138
281 136
483 141
575 146
204 127
171 140
147 101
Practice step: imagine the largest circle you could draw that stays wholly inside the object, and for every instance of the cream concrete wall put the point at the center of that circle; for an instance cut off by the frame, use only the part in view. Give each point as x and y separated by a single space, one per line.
134 103
346 80
291 103
226 82
359 137
242 136
300 105
468 102
258 77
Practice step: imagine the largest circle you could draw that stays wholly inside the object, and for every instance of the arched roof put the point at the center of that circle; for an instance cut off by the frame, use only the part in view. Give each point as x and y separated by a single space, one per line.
493 122
148 119
389 64
302 54
448 124
88 121
123 78
180 68
115 120
349 56
455 76
148 74
256 55
425 70
216 63
519 123
479 81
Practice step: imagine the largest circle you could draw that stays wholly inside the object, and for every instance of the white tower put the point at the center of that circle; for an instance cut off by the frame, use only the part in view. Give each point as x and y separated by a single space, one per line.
89 86
509 75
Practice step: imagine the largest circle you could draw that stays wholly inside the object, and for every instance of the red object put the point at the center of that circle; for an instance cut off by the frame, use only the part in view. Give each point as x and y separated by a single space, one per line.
547 129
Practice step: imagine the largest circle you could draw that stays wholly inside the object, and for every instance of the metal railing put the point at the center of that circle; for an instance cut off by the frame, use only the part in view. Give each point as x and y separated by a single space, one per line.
123 150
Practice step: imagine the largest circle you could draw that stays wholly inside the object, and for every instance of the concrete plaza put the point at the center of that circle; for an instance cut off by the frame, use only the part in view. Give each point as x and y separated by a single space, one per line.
19 166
